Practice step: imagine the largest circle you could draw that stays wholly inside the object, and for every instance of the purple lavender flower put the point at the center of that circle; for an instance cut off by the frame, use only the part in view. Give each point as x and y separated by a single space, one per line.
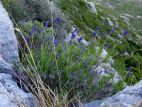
46 23
126 32
58 19
103 34
80 39
73 36
55 42
108 46
72 75
94 34
112 30
130 69
70 42
128 75
33 30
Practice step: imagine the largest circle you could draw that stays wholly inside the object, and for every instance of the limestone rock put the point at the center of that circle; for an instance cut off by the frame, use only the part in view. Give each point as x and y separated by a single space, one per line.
6 67
8 41
131 96
110 23
92 6
102 56
105 69
12 96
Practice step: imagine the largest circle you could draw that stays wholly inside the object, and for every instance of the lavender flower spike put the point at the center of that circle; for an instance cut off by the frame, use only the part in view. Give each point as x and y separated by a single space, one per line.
80 39
94 34
55 42
58 19
33 30
102 35
46 23
125 33
112 30
73 35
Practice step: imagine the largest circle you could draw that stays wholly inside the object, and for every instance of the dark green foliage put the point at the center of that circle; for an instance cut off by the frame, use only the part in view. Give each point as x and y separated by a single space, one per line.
81 15
132 62
27 9
15 9
119 86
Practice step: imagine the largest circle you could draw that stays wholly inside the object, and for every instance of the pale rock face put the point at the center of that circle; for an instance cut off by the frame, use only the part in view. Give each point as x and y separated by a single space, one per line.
8 44
105 69
102 56
6 67
131 96
8 41
92 6
139 17
110 23
12 96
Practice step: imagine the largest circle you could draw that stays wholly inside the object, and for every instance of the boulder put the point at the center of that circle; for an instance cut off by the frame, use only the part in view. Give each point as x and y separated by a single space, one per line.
93 7
105 69
12 96
8 41
131 96
103 55
110 23
8 44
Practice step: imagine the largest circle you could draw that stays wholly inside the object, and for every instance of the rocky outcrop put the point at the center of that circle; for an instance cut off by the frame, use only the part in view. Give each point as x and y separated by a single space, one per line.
131 96
105 69
110 23
92 6
8 41
103 55
12 96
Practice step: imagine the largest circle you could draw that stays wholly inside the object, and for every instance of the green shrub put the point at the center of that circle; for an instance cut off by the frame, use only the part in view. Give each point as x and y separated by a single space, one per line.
27 9
15 9
67 68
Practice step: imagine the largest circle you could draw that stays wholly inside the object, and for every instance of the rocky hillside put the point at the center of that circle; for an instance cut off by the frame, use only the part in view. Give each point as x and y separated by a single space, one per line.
72 53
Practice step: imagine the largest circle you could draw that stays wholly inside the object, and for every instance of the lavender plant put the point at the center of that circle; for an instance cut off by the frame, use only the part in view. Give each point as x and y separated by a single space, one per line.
65 66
